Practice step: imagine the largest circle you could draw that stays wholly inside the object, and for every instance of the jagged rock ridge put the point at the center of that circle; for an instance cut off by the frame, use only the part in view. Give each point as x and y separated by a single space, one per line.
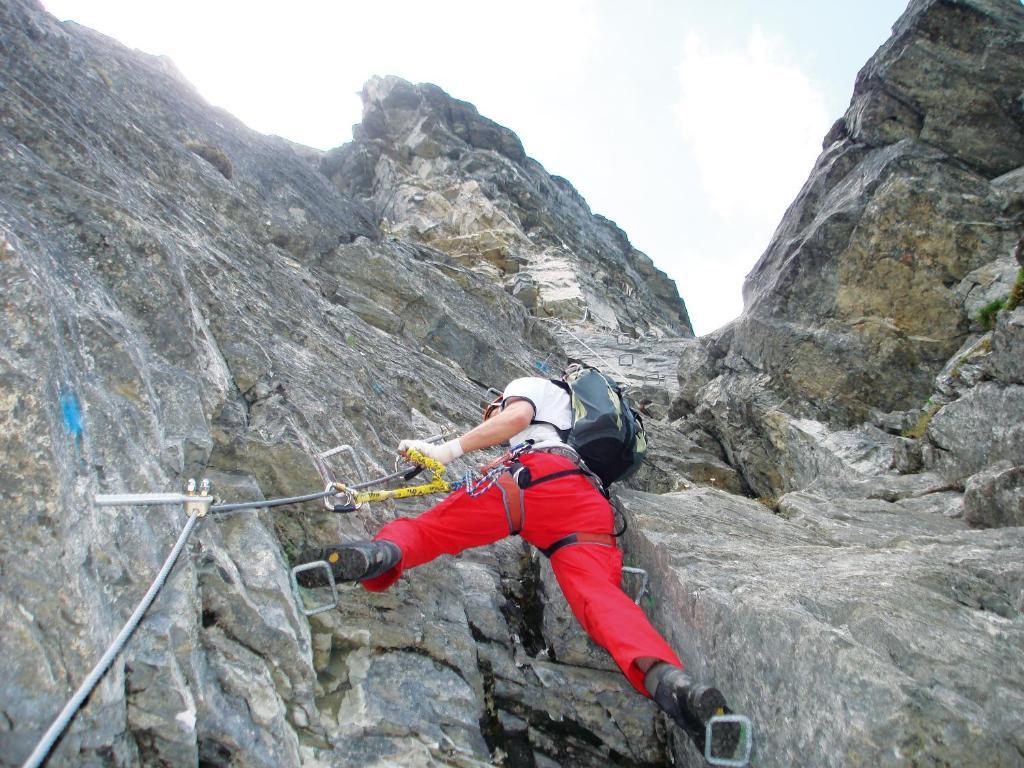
435 171
855 306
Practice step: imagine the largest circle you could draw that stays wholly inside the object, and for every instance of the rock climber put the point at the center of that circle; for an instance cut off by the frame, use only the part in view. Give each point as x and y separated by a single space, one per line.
562 511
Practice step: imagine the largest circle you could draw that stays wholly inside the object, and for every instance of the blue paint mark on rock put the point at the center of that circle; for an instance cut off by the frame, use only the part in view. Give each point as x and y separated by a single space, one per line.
72 413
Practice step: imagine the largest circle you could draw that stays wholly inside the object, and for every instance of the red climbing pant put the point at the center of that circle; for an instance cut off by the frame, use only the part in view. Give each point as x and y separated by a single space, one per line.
589 574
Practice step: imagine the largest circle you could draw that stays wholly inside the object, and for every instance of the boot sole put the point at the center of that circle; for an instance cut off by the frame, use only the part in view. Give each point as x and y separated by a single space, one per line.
347 564
725 737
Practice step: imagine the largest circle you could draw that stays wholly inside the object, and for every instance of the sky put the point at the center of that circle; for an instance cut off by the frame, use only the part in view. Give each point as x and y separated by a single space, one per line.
691 124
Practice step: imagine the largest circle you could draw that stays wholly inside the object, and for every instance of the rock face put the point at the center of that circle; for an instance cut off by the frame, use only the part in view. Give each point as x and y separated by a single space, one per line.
186 298
434 171
855 305
854 632
863 402
866 301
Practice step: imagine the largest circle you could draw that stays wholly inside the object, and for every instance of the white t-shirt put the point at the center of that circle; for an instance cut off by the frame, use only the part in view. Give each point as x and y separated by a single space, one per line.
551 406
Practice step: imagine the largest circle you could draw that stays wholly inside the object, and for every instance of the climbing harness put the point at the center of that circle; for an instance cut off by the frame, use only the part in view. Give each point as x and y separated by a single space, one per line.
604 539
506 472
513 479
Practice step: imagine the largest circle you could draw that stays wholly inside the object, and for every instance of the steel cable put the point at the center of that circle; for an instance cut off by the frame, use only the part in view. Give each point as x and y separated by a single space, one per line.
64 718
271 502
66 715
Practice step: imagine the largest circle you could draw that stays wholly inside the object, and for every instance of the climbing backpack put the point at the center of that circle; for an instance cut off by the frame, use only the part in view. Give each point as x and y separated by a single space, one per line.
606 432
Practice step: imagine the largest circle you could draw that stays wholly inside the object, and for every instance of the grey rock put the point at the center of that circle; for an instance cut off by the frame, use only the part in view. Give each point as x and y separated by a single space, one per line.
868 521
777 451
415 692
675 461
435 171
184 296
187 442
986 284
1007 361
841 326
698 366
934 80
245 714
169 319
995 497
907 642
979 429
576 714
853 306
832 285
938 502
964 370
645 364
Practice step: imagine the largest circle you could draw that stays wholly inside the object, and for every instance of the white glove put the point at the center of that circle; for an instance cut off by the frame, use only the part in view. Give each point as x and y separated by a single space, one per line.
443 453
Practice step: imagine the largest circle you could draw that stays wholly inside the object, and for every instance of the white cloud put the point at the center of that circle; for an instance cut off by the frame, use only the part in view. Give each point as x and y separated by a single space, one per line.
754 122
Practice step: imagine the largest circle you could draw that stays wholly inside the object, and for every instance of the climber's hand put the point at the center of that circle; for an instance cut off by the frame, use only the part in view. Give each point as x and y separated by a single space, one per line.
444 453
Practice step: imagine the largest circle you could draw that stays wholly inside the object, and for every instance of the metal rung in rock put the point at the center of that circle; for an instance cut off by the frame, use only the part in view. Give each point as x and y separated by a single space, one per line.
325 471
746 731
345 449
645 579
298 595
491 393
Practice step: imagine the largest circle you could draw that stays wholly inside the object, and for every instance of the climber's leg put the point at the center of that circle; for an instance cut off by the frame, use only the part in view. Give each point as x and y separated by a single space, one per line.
459 522
589 575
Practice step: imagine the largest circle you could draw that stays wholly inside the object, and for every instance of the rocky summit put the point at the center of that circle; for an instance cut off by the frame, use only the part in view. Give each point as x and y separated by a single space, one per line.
831 516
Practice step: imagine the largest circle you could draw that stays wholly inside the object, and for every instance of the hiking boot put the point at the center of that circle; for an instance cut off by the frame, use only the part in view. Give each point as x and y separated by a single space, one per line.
691 706
352 561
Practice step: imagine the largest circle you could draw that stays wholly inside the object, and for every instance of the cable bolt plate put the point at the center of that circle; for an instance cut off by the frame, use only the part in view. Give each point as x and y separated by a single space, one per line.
197 502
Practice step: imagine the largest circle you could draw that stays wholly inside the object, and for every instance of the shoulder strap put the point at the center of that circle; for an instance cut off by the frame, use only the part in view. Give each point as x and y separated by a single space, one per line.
563 434
561 385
